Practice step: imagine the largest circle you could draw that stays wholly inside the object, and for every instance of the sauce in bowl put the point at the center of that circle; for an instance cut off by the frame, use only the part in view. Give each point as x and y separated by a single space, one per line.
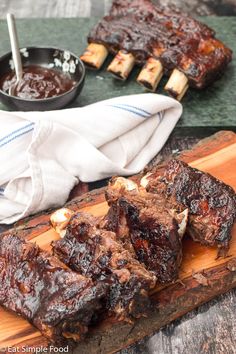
38 83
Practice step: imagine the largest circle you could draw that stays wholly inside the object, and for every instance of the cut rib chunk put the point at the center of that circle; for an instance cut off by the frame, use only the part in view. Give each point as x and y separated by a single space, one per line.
146 228
211 203
96 253
59 302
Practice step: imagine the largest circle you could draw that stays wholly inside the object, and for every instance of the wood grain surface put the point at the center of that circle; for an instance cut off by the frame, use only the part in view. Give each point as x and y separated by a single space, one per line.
215 155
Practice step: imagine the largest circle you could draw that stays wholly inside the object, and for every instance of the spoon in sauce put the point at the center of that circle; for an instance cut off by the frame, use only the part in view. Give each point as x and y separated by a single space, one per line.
15 52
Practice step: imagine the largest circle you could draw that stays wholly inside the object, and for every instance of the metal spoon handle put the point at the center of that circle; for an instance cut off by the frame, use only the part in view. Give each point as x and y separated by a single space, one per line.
14 46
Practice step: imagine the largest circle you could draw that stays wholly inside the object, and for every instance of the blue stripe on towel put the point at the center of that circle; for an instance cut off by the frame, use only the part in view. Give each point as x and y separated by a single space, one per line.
16 134
16 131
140 110
1 191
129 110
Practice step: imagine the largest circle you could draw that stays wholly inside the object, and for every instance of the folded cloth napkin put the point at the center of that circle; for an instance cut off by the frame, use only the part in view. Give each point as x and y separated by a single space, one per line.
44 154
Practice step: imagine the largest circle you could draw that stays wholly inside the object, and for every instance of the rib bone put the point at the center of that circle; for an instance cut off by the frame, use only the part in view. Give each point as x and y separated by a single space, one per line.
122 65
60 219
151 74
182 219
177 84
123 183
95 55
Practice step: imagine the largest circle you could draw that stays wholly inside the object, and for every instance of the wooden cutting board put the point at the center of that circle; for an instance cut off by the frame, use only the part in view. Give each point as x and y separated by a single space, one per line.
202 276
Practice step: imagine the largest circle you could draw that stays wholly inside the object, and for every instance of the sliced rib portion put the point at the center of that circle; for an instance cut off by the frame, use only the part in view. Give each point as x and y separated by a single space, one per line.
178 41
211 203
59 302
147 228
96 253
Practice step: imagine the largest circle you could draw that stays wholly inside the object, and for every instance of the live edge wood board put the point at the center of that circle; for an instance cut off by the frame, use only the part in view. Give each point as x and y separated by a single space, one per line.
202 276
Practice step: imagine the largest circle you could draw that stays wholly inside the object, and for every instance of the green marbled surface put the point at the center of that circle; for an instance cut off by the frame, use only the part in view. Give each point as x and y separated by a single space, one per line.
212 107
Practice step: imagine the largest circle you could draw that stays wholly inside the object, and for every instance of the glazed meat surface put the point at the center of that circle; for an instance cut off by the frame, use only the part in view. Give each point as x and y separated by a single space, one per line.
211 203
147 229
59 302
96 253
177 40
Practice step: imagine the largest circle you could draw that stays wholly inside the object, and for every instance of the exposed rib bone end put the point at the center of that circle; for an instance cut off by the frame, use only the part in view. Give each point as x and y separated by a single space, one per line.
177 84
182 220
95 55
123 183
60 219
122 65
145 180
151 74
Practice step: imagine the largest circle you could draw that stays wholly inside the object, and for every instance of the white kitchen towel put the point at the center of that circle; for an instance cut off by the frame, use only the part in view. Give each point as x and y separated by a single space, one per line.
43 155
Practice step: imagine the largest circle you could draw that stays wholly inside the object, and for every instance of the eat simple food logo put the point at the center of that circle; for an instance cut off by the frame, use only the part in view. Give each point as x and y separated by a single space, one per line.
37 350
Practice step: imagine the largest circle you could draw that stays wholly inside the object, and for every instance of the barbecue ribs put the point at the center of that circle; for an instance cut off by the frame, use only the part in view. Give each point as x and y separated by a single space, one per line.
96 253
147 228
59 302
177 40
211 203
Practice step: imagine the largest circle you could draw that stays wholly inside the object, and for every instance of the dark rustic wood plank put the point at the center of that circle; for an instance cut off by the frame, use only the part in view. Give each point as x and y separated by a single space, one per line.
210 329
45 8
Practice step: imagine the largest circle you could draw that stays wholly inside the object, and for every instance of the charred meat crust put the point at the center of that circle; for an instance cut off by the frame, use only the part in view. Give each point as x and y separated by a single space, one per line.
211 203
146 228
96 253
36 285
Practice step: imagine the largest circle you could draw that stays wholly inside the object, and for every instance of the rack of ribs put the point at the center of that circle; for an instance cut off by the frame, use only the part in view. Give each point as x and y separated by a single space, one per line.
37 286
211 203
150 231
96 253
163 40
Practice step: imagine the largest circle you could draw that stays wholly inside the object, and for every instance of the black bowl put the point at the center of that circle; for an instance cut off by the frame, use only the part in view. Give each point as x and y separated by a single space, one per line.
59 59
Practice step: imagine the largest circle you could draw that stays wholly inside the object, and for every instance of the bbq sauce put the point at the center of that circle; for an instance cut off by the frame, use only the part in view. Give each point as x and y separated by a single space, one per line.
38 83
